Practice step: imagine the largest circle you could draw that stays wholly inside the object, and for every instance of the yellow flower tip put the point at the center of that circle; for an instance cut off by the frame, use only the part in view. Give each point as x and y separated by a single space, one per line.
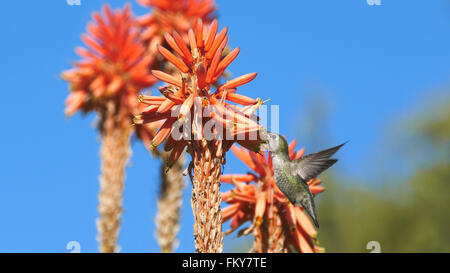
265 101
205 102
233 194
137 119
140 98
154 145
258 101
228 232
258 221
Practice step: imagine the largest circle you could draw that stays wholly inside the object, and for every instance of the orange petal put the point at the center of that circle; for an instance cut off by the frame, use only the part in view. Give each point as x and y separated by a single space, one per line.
151 100
211 34
260 207
192 41
69 75
171 41
292 148
182 45
93 44
74 101
149 32
98 86
217 42
163 132
231 114
167 78
150 109
314 182
238 81
303 243
173 59
165 106
224 43
83 52
212 68
229 211
316 189
243 155
304 223
237 220
240 99
299 154
199 33
227 178
115 84
243 197
228 59
146 19
258 161
290 217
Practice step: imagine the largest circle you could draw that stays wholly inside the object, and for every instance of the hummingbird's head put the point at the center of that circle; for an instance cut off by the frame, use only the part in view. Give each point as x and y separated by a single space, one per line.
275 143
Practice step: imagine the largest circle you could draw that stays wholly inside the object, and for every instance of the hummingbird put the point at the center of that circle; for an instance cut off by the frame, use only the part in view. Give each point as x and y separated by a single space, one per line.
291 176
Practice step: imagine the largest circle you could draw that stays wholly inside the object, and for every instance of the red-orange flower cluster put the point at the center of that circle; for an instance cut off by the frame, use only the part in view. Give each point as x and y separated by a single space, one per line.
200 63
114 65
277 225
170 15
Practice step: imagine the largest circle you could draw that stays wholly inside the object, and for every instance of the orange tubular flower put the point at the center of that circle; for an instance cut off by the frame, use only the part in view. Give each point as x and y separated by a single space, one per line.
278 226
197 75
170 15
114 65
204 116
113 70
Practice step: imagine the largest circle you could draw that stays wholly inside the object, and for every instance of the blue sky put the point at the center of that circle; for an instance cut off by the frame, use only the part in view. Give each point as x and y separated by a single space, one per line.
372 62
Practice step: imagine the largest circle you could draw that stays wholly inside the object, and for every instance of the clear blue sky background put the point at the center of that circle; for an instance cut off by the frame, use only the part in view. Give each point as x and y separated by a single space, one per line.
373 62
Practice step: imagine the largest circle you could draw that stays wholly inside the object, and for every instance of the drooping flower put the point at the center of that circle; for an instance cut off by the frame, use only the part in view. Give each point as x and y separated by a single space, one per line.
277 225
114 65
170 15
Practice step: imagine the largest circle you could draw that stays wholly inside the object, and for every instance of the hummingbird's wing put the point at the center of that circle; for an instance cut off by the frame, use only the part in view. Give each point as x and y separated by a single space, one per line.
310 166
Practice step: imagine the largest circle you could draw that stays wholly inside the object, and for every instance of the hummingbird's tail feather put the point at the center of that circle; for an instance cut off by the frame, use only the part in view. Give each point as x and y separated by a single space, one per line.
310 166
309 208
